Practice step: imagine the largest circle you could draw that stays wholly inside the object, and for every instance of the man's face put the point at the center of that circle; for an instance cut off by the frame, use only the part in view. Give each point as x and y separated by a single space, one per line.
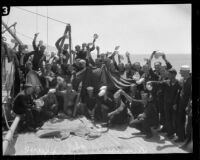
48 67
144 96
133 89
69 87
77 48
90 92
84 45
184 73
29 90
66 46
29 66
42 49
157 66
137 66
145 68
37 90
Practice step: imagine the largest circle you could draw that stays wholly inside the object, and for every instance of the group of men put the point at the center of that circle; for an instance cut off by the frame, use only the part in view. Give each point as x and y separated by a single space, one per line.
157 100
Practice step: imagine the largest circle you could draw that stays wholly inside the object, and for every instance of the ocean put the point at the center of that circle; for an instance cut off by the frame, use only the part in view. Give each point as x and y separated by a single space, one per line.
176 60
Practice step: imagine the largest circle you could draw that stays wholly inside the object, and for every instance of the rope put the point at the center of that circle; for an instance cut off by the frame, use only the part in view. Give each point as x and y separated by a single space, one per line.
36 19
41 15
47 28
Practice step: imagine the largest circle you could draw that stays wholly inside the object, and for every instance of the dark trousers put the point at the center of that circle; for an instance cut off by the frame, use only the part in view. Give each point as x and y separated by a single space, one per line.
144 125
181 117
169 119
28 117
160 113
120 118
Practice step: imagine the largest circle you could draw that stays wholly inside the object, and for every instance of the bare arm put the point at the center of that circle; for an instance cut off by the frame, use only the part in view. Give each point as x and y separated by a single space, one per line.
57 44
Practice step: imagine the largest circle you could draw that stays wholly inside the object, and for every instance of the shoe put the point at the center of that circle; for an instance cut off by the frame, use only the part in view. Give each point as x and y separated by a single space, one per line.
156 127
179 140
30 129
148 136
163 130
170 136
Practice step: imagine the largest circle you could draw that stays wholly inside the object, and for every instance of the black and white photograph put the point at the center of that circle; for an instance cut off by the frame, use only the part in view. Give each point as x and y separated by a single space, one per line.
97 79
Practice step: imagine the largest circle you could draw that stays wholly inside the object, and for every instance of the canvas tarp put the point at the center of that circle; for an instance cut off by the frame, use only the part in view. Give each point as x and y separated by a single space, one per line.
102 76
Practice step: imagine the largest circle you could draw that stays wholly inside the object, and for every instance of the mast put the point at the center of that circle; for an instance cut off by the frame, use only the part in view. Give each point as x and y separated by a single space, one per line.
11 32
70 44
63 40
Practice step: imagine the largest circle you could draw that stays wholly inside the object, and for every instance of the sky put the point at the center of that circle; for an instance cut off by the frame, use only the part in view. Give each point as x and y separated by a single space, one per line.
138 29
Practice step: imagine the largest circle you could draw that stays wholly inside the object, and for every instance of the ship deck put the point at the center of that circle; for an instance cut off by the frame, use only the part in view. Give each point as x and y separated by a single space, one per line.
119 140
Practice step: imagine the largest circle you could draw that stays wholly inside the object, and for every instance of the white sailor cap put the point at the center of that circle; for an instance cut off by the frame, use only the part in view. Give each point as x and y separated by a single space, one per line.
117 94
185 68
149 87
82 61
102 93
103 88
90 88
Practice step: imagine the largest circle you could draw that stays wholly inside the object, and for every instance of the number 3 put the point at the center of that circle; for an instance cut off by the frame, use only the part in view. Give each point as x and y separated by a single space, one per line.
5 10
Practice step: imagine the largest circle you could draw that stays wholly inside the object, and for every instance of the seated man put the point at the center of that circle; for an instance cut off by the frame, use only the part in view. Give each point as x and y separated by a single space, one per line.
104 104
145 120
50 108
69 96
89 104
23 106
119 113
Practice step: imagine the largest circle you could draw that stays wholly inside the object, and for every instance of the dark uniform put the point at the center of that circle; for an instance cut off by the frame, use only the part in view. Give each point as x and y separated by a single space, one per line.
170 92
183 102
22 105
160 95
104 107
89 104
147 120
50 108
121 116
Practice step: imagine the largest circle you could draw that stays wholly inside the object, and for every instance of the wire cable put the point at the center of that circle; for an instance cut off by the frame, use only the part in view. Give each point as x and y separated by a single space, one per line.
42 15
47 28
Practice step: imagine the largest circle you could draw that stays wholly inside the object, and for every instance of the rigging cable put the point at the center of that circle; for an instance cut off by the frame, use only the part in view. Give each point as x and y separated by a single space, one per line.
47 29
41 15
36 19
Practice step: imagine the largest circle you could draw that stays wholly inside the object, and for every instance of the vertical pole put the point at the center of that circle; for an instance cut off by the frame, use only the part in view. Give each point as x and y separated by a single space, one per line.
70 44
62 41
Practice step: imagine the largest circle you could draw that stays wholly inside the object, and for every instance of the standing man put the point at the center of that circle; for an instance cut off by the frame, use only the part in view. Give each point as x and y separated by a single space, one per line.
183 102
38 53
170 89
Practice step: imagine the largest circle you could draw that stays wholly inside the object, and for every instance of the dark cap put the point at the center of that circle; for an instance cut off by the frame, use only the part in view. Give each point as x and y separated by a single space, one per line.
172 70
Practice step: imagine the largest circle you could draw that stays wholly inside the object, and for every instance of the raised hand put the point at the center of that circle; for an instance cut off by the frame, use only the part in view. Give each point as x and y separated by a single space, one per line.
95 36
97 48
164 56
117 47
127 54
36 34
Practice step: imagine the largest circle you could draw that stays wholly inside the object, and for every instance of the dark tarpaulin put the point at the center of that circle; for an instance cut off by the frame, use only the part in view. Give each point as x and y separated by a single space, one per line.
99 77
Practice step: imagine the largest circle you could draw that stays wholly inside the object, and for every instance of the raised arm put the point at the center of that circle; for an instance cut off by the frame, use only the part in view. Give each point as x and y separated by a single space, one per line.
128 57
34 42
115 63
98 51
168 64
57 44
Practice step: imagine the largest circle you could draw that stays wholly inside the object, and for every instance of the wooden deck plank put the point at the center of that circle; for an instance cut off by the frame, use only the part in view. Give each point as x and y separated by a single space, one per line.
112 142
